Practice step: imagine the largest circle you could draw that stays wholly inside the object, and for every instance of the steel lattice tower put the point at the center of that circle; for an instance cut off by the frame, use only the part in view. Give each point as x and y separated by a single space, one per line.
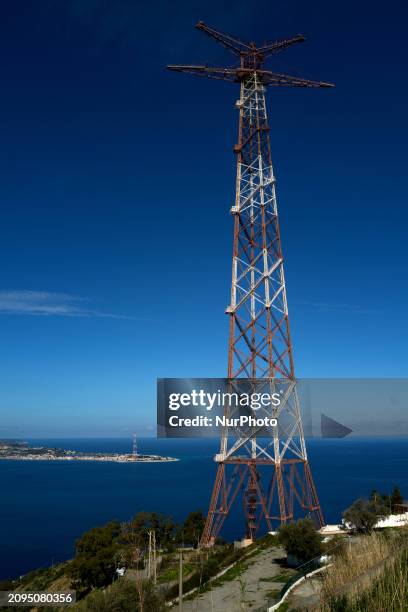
274 474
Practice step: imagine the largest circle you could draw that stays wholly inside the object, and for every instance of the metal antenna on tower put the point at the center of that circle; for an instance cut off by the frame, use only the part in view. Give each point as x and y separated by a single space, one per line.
274 475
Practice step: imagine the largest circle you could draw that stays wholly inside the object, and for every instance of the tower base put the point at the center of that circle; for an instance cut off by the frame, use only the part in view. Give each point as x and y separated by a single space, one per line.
289 494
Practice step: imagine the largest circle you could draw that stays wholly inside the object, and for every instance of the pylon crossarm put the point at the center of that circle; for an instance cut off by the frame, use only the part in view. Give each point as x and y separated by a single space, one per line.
230 42
285 80
237 75
225 74
280 45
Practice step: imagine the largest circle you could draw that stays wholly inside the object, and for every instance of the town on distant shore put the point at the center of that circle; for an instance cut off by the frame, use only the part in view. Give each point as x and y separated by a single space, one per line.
22 451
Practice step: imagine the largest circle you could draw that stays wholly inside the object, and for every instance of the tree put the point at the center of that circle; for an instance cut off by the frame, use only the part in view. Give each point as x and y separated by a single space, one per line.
396 498
134 544
193 528
301 540
380 505
94 562
375 496
361 515
162 525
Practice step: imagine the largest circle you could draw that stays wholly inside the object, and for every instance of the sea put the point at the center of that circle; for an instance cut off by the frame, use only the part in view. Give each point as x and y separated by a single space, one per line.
45 506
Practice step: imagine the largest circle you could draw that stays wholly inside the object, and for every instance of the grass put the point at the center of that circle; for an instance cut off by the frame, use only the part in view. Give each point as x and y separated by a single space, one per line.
273 594
370 575
283 607
232 574
267 541
389 592
278 578
171 573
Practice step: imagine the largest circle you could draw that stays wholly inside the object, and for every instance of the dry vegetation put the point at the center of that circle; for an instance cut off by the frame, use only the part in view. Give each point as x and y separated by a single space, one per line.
371 574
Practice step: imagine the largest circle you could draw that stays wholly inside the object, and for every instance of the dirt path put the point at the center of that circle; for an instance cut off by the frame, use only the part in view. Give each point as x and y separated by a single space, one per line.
247 592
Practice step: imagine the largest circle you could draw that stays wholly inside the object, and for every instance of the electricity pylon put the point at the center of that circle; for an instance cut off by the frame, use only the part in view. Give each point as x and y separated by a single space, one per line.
272 473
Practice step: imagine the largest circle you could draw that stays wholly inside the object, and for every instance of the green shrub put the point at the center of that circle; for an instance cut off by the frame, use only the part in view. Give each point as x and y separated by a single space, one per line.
301 540
94 563
362 515
122 596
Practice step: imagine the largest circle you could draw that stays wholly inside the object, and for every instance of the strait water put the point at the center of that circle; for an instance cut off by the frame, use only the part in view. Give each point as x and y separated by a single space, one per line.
45 506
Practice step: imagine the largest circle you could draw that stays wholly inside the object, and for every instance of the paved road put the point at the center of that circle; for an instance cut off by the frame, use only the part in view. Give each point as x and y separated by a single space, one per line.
306 595
248 593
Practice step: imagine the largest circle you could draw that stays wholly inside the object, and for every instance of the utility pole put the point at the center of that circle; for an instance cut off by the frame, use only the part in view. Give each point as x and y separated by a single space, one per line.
154 558
181 581
149 556
275 475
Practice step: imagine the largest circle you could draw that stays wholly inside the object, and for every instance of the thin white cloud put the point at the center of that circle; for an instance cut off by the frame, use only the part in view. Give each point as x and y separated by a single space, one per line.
23 302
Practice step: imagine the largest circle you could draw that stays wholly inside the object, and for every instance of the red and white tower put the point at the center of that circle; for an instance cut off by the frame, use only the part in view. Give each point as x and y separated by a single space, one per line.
271 475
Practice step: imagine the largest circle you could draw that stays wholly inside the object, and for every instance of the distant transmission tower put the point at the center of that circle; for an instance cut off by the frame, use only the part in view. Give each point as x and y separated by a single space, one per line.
272 474
134 453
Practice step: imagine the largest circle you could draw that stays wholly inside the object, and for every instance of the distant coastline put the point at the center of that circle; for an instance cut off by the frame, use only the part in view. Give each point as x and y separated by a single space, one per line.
22 451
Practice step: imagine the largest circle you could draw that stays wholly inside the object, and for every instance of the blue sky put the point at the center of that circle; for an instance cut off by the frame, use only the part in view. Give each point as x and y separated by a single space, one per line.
116 179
